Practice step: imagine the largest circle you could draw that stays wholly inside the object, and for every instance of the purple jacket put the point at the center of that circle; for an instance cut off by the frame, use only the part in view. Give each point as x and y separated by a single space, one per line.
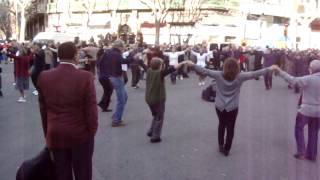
269 60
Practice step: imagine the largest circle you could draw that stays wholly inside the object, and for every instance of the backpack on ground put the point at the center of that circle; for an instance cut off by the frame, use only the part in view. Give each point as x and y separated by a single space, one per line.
209 93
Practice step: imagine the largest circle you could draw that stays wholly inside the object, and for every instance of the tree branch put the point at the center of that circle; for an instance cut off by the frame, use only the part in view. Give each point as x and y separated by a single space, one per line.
159 4
147 4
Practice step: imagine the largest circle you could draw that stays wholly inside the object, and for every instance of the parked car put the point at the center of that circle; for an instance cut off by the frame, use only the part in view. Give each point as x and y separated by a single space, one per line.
2 42
53 37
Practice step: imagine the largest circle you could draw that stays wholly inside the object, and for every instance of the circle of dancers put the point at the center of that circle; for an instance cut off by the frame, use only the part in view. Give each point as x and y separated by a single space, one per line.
63 77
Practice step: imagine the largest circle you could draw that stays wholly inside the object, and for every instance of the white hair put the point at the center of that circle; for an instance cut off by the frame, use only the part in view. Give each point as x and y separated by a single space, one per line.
118 44
315 66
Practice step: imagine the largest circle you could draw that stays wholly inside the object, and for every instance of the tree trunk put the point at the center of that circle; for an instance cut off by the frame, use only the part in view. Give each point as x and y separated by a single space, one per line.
85 23
88 20
22 25
8 34
157 40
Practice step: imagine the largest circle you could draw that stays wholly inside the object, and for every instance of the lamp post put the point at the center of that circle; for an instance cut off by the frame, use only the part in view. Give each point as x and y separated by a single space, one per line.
285 33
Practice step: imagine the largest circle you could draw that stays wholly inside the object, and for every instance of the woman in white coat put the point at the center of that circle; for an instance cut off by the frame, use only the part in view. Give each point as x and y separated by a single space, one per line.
173 61
201 61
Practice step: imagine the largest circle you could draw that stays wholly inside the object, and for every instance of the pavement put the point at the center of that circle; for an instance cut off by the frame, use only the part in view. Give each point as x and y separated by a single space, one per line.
262 149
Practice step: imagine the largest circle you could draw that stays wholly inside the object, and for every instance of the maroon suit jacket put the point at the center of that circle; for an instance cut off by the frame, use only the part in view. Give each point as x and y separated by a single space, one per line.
68 106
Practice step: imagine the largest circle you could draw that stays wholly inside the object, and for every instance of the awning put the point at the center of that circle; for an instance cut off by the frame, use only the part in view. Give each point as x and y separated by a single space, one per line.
182 23
146 24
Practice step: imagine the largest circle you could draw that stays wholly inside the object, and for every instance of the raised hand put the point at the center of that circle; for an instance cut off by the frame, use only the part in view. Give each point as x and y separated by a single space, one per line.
189 63
275 68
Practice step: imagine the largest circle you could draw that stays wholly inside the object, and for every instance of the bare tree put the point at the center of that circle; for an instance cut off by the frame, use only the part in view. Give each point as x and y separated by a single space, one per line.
188 14
89 6
193 10
5 24
21 8
6 15
160 10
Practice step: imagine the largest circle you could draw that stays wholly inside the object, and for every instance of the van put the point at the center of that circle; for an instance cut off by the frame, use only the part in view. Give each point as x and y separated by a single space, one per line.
53 37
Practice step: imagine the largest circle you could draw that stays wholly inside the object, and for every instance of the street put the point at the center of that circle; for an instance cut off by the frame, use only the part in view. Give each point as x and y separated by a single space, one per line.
262 149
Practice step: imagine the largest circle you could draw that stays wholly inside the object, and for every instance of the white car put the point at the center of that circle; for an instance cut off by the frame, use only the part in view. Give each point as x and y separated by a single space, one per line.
56 37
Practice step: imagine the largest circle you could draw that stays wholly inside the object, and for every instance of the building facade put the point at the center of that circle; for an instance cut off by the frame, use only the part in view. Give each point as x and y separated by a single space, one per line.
258 22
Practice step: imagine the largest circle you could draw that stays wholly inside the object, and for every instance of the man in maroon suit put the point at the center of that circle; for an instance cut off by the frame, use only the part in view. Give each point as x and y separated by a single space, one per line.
68 109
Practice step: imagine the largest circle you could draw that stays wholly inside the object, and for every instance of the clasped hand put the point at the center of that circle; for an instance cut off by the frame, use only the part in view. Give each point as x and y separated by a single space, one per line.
275 68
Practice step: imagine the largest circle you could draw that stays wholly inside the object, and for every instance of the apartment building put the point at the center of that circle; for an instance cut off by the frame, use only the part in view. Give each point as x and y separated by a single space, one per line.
218 21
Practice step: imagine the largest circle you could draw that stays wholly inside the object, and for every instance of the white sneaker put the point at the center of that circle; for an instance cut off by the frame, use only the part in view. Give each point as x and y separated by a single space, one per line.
203 83
22 100
200 84
13 84
181 78
35 92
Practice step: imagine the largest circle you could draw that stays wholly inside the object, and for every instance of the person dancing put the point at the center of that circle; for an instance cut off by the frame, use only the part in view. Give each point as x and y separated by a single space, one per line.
228 82
173 61
201 61
156 94
308 112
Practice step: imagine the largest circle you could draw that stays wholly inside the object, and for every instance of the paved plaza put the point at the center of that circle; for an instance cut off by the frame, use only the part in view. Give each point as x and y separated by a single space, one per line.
262 149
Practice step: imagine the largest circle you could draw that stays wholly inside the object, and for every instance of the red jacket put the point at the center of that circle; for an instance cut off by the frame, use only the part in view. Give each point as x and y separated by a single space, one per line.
22 65
68 106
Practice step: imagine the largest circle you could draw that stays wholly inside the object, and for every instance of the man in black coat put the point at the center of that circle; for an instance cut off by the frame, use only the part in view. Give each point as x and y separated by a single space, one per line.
38 64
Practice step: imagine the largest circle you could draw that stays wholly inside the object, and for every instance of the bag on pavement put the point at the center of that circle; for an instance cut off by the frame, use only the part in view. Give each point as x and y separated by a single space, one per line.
209 94
37 168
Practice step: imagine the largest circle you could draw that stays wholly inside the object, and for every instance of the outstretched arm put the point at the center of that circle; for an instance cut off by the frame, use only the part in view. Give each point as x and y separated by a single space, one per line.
143 65
53 50
298 81
172 69
207 72
253 74
124 60
194 53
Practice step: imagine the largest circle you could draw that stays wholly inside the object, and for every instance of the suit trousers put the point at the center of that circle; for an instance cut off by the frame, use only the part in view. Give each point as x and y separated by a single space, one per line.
107 92
135 70
227 122
157 111
313 129
74 162
34 79
173 77
268 80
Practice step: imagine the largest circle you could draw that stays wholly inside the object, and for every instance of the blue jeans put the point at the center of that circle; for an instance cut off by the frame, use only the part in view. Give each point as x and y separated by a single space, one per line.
313 129
118 85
